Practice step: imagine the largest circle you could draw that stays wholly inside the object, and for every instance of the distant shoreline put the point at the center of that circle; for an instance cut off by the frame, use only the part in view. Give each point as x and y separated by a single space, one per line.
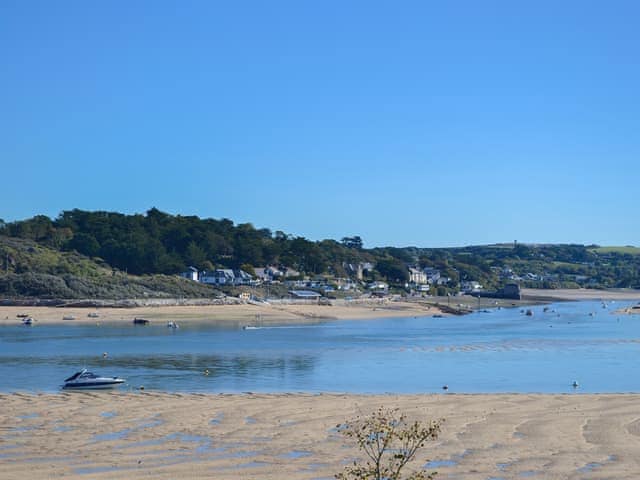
231 311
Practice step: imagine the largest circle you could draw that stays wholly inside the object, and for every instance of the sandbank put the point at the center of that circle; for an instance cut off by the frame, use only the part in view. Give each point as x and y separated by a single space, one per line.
241 314
294 436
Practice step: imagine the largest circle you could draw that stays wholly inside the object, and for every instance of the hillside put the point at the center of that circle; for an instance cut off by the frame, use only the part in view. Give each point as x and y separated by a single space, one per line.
83 254
31 270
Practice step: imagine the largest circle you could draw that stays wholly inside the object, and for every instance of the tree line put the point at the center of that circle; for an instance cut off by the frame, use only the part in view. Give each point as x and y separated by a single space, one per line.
160 243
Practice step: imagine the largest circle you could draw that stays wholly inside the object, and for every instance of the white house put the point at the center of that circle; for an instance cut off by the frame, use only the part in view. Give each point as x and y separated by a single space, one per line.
470 286
218 277
191 274
226 276
416 276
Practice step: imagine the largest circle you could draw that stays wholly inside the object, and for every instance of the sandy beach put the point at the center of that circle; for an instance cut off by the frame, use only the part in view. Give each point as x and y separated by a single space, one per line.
256 436
242 314
298 313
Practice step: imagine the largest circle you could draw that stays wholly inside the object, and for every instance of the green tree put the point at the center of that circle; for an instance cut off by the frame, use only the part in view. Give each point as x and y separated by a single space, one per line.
247 267
352 242
393 269
390 442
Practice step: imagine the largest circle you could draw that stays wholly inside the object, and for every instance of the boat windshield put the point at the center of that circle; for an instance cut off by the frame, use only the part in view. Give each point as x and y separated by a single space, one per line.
81 374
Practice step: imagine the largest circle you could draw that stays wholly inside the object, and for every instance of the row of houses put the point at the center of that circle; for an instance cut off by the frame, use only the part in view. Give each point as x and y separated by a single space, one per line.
220 276
426 276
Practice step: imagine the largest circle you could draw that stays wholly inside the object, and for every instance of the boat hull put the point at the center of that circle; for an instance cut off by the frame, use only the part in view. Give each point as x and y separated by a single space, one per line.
99 385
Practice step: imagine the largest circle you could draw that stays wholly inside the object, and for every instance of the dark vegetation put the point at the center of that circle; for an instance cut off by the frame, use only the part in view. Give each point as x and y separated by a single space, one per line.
84 254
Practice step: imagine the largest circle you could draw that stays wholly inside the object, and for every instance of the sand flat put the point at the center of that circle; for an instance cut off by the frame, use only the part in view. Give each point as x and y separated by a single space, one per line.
293 436
222 314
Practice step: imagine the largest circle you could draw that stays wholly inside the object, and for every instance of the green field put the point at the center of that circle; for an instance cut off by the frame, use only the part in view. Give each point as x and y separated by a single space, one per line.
627 249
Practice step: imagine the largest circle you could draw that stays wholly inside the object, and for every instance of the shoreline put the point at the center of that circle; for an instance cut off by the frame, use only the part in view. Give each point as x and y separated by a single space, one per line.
272 436
287 313
239 314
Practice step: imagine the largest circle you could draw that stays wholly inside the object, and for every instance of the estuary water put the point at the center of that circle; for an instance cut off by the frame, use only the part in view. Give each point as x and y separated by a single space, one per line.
497 350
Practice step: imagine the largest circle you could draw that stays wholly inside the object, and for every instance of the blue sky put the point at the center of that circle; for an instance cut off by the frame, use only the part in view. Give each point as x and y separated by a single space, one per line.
407 123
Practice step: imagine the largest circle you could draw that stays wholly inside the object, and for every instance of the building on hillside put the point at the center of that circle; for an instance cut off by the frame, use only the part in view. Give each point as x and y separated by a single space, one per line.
192 273
226 276
378 289
242 278
432 275
219 276
269 273
417 277
358 269
470 286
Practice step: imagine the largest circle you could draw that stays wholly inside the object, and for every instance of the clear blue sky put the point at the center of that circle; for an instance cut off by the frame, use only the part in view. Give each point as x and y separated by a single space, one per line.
405 122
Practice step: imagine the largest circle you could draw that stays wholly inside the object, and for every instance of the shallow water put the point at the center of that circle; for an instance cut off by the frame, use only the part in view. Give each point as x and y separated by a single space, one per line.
495 351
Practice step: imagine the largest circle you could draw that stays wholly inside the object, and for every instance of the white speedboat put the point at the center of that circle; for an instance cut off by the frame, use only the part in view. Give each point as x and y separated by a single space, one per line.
85 380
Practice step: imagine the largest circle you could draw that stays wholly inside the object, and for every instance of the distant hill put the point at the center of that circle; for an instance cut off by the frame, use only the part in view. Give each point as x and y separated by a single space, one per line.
102 254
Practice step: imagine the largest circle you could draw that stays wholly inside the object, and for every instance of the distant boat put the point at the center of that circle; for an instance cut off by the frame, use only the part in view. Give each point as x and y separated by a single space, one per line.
140 321
68 317
93 315
172 324
27 321
22 315
257 324
529 313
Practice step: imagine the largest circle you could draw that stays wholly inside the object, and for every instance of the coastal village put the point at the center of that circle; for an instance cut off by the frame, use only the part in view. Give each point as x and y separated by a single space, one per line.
421 282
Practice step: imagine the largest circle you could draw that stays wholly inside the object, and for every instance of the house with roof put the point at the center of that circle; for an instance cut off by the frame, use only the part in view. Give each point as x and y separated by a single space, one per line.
470 286
226 276
432 275
269 273
417 276
192 273
378 289
220 276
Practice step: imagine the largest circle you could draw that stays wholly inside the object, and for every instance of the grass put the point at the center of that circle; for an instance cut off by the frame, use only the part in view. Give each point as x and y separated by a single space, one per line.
628 249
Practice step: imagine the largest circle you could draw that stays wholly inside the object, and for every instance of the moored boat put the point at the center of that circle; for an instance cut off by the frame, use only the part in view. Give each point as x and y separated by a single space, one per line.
85 380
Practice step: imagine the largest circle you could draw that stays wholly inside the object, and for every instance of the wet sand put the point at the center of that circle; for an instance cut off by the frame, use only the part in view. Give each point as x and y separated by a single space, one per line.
261 436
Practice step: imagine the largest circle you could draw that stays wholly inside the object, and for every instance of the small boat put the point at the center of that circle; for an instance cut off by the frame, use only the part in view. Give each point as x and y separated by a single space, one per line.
85 380
140 321
256 326
529 313
68 317
27 321
22 315
93 315
172 324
